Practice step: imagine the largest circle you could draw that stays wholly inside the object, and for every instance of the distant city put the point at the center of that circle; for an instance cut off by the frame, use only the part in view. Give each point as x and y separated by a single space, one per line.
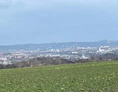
70 50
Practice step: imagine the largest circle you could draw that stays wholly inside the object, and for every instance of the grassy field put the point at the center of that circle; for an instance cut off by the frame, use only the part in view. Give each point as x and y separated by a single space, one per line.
88 77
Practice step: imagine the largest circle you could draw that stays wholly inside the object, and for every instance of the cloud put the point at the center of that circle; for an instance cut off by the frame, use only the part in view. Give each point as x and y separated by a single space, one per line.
26 5
35 3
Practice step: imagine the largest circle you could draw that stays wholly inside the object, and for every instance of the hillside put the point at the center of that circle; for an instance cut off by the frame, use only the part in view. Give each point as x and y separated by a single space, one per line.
48 46
88 77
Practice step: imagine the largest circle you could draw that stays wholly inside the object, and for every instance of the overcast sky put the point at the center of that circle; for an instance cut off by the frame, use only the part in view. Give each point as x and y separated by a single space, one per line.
45 21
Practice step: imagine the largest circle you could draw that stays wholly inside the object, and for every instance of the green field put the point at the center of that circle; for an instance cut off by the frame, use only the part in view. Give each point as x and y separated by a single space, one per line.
88 77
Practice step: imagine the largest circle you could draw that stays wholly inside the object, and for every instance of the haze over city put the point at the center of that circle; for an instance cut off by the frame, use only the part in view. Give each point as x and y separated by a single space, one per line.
47 21
58 46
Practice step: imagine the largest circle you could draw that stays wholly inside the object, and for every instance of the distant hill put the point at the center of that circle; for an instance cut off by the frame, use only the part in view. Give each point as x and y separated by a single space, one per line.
59 45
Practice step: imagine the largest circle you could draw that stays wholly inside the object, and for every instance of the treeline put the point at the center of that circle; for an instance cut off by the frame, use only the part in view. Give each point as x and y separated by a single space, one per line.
46 61
104 57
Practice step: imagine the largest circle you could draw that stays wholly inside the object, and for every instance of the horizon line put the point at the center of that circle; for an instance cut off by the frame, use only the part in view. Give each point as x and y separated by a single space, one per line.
56 42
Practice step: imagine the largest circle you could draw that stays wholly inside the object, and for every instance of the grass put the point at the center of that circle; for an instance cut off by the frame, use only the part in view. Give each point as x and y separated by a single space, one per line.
88 77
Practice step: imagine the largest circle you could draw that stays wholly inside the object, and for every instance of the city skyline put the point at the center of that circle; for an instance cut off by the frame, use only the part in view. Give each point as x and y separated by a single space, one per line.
34 21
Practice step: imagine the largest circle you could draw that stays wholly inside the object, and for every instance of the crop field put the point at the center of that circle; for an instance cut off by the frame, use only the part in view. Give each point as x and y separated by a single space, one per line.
88 77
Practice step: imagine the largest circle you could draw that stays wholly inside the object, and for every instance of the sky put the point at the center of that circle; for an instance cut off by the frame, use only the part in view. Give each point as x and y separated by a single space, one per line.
48 21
